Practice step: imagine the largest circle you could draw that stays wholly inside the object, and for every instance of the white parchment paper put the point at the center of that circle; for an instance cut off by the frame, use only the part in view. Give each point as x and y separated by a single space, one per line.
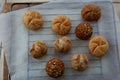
17 40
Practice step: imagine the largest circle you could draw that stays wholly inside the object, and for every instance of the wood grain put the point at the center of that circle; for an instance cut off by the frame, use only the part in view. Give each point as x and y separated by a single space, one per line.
3 67
117 7
116 0
27 1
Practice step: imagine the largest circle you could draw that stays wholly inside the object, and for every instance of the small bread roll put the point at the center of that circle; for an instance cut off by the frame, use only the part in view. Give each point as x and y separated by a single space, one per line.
33 20
84 31
79 62
98 46
61 25
38 49
63 44
55 67
91 12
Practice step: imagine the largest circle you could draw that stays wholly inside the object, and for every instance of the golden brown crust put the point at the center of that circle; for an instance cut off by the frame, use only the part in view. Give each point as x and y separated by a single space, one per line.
55 68
98 46
33 20
38 49
61 25
91 12
79 62
84 31
63 44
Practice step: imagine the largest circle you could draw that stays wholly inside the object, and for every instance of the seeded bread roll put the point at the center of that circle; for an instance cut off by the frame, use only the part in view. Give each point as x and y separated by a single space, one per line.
33 20
61 25
91 12
55 68
84 31
63 44
79 62
38 49
98 46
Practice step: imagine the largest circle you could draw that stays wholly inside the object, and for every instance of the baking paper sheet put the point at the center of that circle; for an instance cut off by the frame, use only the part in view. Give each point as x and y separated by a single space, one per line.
23 67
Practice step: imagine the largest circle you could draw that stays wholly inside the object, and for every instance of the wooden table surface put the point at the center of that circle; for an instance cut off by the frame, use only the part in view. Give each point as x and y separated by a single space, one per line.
12 5
117 6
